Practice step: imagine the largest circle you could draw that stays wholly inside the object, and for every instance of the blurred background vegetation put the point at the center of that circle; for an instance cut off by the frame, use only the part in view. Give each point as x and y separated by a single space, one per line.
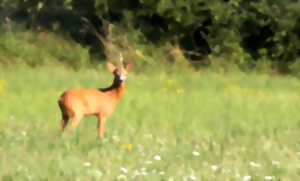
258 35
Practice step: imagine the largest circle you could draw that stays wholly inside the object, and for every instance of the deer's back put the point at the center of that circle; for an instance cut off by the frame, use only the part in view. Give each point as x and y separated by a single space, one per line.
88 101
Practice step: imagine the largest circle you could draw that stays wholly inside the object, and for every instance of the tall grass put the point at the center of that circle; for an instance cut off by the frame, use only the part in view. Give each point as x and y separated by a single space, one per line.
168 126
41 48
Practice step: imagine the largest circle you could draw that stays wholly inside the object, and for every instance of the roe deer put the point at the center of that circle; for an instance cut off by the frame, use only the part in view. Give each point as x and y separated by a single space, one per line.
76 103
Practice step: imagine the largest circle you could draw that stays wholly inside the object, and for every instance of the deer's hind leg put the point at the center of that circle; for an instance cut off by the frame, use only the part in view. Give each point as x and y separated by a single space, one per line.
64 122
64 115
75 121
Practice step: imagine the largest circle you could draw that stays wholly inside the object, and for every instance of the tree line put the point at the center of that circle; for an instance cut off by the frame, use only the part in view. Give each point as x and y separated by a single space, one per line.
245 31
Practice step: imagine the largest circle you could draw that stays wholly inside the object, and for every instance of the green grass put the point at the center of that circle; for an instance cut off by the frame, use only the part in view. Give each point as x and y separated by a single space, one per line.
202 125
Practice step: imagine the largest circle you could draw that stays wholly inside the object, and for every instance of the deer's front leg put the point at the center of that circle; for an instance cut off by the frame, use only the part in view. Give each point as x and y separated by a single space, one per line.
101 122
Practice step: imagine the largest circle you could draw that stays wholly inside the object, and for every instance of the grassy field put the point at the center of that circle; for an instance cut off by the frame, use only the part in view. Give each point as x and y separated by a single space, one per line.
167 126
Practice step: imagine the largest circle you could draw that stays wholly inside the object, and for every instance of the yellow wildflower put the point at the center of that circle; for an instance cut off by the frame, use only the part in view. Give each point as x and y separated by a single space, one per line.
232 88
59 93
2 86
180 91
139 53
168 123
260 93
124 146
170 82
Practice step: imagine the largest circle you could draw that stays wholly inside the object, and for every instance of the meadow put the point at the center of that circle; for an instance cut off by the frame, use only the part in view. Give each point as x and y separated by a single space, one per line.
169 125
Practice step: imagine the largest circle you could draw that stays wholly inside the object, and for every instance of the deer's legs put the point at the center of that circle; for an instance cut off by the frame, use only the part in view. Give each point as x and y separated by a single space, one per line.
64 122
101 122
75 121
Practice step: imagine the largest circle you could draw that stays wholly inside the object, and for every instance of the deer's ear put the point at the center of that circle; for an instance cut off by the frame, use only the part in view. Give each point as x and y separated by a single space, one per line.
110 66
129 66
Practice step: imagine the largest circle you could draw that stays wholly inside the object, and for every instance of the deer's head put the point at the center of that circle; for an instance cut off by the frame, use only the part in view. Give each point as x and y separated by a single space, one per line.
120 73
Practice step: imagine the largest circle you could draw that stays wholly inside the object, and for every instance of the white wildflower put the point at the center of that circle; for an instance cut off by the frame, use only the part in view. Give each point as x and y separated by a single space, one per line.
275 163
143 154
116 138
124 170
268 177
192 177
195 153
98 173
246 178
149 136
87 164
205 163
122 177
136 173
161 173
153 171
157 157
171 179
227 171
253 164
144 173
143 169
214 167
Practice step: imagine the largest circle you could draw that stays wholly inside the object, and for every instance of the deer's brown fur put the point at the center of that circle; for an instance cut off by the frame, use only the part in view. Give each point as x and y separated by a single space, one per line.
76 103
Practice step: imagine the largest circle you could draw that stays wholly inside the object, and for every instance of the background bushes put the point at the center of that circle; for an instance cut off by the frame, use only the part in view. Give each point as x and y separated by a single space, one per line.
246 33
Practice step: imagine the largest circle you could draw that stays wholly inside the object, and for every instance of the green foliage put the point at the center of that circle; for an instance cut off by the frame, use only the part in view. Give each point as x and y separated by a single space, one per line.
249 31
295 67
41 48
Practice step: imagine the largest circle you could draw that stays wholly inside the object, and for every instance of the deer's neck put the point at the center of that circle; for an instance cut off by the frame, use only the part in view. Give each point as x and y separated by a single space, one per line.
117 89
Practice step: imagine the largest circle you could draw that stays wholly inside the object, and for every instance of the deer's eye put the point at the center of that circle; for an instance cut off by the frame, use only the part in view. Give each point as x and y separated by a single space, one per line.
117 72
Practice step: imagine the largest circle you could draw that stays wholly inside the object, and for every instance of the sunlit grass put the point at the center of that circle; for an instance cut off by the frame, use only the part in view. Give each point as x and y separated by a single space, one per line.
180 126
